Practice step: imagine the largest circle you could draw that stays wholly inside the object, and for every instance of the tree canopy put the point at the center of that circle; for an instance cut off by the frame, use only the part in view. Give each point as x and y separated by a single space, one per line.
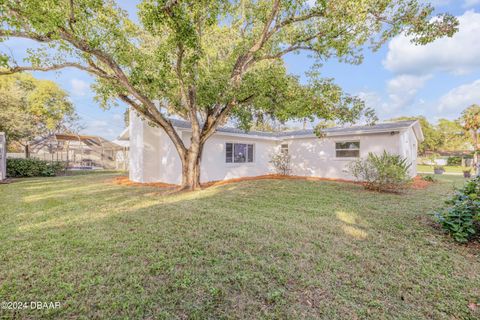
32 108
446 135
209 61
470 121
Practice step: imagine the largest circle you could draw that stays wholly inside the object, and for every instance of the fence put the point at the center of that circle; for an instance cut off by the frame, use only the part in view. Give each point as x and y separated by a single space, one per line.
3 157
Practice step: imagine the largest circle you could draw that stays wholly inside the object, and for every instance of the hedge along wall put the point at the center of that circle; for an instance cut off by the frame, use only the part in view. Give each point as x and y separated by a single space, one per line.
17 168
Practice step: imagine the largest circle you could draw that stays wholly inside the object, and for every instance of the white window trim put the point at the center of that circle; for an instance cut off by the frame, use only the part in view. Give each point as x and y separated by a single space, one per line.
233 163
343 141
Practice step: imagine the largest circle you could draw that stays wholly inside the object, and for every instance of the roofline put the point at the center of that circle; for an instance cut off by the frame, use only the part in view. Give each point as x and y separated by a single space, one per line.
125 134
415 125
417 130
305 136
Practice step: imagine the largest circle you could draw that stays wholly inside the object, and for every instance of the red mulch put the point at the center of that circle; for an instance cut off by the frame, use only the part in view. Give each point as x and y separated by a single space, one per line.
124 181
417 184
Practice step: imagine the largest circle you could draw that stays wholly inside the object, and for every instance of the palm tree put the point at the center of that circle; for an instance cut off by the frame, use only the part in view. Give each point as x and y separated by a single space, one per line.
471 124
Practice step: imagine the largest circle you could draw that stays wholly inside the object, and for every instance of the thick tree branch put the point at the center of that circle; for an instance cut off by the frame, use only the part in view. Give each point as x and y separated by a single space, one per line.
26 35
52 68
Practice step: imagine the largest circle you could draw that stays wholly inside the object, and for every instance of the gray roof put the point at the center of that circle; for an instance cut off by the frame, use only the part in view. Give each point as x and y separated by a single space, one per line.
379 127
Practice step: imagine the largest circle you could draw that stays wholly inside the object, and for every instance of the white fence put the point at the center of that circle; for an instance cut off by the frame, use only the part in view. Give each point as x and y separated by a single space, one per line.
3 157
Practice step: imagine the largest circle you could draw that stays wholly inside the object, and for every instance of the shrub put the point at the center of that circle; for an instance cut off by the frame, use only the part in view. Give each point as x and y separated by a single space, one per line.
17 168
281 162
385 172
429 178
454 161
461 218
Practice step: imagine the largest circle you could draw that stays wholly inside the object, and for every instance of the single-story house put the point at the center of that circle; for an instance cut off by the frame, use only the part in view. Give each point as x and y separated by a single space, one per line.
232 153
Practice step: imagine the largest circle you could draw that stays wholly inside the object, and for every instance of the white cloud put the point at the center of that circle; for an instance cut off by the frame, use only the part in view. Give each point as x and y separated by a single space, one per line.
402 90
458 55
470 3
117 117
460 98
79 87
401 96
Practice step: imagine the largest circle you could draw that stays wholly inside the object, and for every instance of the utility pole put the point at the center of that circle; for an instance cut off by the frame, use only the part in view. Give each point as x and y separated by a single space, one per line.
3 157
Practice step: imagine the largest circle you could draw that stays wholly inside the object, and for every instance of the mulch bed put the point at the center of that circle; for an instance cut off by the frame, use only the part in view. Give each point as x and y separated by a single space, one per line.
124 181
417 184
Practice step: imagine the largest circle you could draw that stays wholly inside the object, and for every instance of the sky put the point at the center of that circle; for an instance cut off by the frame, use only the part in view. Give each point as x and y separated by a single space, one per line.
438 80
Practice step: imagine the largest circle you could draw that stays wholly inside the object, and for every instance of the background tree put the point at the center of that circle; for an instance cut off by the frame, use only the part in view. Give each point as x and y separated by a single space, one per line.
209 61
433 138
470 121
31 108
452 135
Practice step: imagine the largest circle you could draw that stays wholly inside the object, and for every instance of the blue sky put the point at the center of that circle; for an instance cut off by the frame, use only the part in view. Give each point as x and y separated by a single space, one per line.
438 80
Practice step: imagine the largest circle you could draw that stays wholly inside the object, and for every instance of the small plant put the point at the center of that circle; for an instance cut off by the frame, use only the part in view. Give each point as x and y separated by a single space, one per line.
17 168
281 162
437 169
467 172
385 172
461 218
429 178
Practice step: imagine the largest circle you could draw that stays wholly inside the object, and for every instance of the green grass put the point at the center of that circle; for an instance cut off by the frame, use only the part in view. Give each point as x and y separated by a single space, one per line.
259 249
448 169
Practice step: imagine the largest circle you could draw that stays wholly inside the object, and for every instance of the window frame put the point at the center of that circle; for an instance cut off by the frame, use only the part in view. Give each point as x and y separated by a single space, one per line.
247 155
347 141
284 148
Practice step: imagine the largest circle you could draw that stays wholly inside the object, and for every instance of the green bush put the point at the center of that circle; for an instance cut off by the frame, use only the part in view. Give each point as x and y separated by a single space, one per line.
461 218
454 161
17 168
429 178
385 172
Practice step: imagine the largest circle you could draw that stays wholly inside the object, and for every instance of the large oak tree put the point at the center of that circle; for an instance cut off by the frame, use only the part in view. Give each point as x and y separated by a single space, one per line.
208 61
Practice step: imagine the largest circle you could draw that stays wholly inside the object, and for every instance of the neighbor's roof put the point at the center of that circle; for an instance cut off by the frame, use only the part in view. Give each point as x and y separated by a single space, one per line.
336 131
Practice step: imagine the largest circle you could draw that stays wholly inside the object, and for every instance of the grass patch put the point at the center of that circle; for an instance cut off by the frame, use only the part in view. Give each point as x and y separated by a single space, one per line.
254 249
448 169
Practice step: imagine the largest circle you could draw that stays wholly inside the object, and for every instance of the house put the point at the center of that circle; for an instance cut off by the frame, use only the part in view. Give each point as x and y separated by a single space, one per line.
78 151
233 153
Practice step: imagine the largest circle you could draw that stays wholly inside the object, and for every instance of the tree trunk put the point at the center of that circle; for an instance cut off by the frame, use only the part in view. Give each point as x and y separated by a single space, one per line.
27 151
191 169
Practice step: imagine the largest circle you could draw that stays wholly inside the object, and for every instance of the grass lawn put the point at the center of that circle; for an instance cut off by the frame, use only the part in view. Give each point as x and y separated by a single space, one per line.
254 249
448 169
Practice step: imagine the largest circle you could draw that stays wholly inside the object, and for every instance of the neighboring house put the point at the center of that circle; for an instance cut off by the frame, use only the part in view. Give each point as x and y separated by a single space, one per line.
79 151
233 153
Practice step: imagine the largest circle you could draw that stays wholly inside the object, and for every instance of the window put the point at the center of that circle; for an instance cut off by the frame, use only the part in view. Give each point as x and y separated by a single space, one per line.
238 152
284 148
347 149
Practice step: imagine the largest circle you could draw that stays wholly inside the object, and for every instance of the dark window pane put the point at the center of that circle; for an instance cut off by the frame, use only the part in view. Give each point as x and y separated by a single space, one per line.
348 153
250 153
239 152
348 145
229 152
284 148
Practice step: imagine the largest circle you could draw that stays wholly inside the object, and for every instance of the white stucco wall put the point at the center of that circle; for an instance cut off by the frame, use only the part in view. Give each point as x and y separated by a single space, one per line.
317 157
153 157
409 149
214 167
